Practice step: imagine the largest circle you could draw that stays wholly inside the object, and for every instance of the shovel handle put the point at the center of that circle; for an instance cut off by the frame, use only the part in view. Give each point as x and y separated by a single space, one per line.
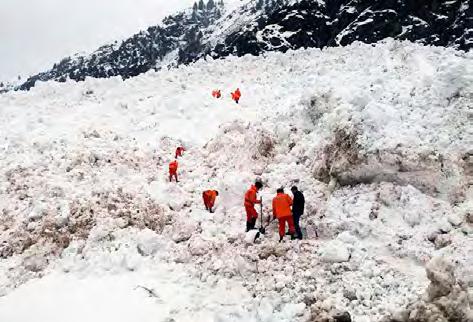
261 211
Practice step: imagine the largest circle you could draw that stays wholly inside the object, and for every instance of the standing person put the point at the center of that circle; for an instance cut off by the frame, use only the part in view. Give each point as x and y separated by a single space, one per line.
173 170
179 151
297 210
236 95
209 197
250 202
282 211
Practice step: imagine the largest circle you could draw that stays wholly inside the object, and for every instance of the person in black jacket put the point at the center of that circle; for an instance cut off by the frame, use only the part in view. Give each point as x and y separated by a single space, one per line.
297 210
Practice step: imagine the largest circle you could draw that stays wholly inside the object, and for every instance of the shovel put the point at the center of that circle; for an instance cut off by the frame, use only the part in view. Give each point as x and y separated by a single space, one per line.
262 229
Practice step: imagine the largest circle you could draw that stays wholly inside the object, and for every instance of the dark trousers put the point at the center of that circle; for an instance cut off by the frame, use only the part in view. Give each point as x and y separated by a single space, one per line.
250 224
297 225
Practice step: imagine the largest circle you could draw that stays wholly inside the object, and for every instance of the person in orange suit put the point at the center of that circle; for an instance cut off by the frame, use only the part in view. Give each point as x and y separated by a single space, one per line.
250 200
282 211
179 151
236 95
216 93
173 170
209 197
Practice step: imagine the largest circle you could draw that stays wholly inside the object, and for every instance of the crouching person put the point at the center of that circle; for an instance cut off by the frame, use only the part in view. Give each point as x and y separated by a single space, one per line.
209 197
282 211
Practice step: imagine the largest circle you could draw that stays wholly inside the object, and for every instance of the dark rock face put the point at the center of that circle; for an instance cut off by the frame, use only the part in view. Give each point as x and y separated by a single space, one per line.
337 22
343 317
278 25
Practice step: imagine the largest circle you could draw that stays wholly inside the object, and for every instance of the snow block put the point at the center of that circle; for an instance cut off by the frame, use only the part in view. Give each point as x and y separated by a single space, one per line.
335 251
251 236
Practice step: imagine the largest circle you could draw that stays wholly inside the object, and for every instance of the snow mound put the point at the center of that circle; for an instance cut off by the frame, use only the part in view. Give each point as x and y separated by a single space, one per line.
334 251
446 298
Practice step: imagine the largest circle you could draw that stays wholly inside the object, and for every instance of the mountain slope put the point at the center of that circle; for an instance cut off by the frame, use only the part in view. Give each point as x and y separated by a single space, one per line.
377 138
261 26
318 24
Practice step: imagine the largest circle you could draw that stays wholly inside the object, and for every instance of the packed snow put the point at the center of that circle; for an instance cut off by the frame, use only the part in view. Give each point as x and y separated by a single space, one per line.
378 139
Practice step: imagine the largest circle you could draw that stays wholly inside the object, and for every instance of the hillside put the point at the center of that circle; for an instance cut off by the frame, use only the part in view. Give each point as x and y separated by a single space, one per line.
377 138
256 27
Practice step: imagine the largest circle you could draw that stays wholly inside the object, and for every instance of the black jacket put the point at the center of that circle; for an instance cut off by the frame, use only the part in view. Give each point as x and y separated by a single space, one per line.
298 203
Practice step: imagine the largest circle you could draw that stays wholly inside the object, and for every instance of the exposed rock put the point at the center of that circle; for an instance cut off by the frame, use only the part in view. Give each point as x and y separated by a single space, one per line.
349 294
343 317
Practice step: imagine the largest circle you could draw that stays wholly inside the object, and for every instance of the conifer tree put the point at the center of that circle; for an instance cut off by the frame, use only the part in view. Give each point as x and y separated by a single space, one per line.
210 5
201 5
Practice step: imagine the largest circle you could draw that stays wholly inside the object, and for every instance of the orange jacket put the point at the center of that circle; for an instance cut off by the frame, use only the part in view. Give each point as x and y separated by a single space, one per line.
209 197
282 205
173 166
216 93
250 197
236 95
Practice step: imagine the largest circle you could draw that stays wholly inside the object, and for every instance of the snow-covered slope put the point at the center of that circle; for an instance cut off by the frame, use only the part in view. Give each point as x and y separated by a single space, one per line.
218 29
377 137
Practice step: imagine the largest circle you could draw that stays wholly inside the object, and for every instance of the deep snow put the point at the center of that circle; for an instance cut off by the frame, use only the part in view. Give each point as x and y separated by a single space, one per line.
377 137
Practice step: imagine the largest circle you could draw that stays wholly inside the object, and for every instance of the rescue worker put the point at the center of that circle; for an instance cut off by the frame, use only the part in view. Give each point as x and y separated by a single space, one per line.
297 210
173 170
236 95
179 151
282 211
216 93
250 201
209 197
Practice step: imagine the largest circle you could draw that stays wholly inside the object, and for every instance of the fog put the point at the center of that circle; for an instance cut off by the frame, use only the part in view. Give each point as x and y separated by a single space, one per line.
34 34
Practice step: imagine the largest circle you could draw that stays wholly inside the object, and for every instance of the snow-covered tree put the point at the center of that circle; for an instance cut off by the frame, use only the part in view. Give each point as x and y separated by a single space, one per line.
201 5
259 4
210 5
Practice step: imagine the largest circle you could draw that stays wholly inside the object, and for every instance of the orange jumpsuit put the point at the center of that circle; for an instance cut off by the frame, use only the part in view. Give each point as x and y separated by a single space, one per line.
173 170
179 151
209 197
282 211
216 93
251 213
236 95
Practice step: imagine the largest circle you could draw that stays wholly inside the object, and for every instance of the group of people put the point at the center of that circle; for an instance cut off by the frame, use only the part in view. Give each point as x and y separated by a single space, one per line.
236 95
209 196
285 209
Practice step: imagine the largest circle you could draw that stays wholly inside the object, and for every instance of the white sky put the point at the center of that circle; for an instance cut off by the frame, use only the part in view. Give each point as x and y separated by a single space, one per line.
34 34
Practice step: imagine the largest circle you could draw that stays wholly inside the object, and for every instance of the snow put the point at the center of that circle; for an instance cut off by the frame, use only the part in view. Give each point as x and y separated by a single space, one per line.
334 251
161 294
376 137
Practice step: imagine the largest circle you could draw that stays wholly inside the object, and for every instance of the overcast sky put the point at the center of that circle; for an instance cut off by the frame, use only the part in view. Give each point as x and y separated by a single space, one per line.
34 34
